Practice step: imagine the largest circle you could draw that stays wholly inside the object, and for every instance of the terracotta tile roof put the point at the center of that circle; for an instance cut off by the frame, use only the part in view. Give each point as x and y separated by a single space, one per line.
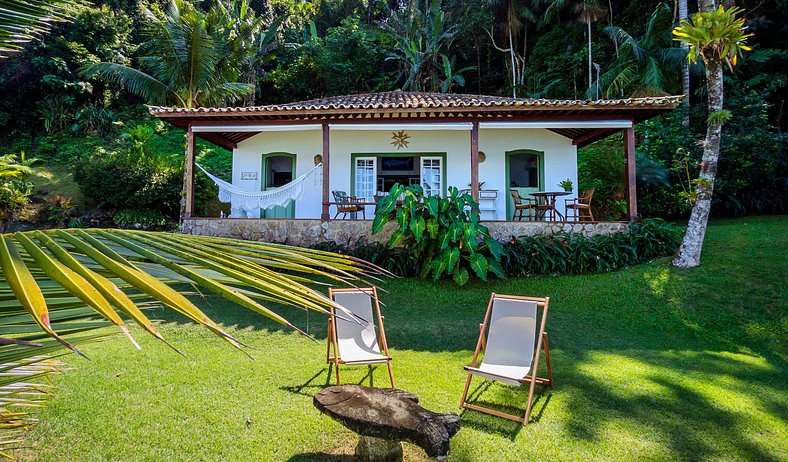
394 100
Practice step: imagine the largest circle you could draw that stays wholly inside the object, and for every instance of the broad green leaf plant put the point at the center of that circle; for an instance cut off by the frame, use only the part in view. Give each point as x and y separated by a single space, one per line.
115 273
444 232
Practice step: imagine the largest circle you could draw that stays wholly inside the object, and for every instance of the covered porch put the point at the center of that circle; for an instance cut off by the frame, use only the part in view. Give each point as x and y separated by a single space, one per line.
496 148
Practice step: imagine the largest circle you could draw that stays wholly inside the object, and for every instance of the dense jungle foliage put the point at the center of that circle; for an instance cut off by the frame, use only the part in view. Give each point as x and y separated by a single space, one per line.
74 98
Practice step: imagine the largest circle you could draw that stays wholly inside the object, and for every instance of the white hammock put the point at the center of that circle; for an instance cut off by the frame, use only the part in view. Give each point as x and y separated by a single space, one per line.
250 200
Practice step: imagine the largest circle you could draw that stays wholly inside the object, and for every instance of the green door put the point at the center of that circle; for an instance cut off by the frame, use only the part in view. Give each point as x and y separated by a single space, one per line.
278 170
524 174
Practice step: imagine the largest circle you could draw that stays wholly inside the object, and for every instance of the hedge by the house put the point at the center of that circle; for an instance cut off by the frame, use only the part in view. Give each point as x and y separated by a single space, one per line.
576 254
557 254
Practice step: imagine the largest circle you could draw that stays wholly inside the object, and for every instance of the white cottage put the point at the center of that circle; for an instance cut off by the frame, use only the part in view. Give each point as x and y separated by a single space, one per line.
492 146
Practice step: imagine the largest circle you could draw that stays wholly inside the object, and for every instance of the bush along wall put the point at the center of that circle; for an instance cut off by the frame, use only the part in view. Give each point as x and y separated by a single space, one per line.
546 255
576 254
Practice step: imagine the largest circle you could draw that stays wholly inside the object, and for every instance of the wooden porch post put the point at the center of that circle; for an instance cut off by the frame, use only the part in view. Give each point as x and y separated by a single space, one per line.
629 153
325 215
475 161
188 180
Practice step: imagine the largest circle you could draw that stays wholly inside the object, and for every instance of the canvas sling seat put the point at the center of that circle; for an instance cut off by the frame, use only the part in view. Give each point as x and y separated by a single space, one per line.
355 340
511 339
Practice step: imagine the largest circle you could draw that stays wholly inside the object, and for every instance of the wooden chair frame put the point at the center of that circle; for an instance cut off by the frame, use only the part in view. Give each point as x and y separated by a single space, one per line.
347 204
532 378
331 341
521 204
580 204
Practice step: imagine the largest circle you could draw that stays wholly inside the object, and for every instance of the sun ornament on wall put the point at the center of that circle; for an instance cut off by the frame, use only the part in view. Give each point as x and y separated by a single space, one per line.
400 139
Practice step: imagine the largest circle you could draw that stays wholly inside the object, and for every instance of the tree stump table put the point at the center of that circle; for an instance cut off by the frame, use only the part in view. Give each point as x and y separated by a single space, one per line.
384 417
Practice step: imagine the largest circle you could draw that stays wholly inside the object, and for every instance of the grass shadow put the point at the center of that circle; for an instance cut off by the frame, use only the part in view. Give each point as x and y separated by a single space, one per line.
322 457
299 389
310 383
497 425
683 413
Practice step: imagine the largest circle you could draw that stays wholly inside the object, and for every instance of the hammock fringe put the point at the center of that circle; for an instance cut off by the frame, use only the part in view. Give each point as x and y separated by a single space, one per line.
250 200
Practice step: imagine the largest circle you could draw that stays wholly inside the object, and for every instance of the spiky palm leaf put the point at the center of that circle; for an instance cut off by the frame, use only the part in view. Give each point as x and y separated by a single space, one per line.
420 38
191 61
113 271
27 357
134 81
717 34
23 20
644 65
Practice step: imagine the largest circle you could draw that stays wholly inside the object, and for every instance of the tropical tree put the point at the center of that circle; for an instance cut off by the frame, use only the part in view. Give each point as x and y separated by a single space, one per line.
516 18
116 271
420 39
451 75
589 12
248 40
193 59
717 37
685 70
23 20
15 190
646 66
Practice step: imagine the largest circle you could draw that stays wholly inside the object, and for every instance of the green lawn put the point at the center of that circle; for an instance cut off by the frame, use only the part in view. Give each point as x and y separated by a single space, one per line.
650 363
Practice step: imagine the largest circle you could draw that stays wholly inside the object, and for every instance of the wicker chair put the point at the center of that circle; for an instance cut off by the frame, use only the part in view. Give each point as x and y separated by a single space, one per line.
347 204
580 207
521 204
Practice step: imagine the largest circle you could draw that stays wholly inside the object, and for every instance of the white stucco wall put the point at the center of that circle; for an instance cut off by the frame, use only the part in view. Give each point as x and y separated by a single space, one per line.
247 157
560 158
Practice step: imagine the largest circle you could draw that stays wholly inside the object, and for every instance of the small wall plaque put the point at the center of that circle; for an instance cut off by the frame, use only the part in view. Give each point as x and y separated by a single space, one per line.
248 175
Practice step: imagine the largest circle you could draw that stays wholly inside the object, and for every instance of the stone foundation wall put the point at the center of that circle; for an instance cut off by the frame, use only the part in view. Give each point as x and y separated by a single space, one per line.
353 232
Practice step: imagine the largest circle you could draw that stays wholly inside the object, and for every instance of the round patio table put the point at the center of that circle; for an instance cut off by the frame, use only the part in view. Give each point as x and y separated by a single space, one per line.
546 203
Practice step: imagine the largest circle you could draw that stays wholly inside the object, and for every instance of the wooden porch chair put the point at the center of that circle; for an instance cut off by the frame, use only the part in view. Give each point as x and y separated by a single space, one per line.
580 206
353 340
510 356
521 204
347 204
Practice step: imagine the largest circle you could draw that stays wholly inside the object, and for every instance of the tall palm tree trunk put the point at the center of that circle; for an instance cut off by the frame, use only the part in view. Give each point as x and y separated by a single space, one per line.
689 252
590 63
685 74
514 65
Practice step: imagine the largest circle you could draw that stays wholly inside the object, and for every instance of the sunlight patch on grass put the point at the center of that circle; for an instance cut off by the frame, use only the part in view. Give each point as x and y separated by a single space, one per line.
58 180
657 280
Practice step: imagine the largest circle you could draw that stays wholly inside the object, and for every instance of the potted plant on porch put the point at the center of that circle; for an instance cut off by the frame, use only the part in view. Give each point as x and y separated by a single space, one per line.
567 185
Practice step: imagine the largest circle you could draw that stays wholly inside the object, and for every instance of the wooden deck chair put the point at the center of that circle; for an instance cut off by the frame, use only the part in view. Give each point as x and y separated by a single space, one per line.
354 340
511 347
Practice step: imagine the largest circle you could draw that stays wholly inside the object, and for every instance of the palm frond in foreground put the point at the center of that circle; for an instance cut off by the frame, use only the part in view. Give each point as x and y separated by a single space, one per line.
115 271
23 20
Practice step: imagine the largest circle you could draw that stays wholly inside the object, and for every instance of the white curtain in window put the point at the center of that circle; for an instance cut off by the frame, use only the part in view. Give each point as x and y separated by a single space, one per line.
432 176
366 178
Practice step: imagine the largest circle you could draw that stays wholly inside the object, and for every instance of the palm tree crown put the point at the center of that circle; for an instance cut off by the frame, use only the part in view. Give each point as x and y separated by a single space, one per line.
645 66
23 20
193 59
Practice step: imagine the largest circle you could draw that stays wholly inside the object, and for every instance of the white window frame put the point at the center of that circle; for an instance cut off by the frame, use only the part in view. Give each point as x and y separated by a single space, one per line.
361 192
431 191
